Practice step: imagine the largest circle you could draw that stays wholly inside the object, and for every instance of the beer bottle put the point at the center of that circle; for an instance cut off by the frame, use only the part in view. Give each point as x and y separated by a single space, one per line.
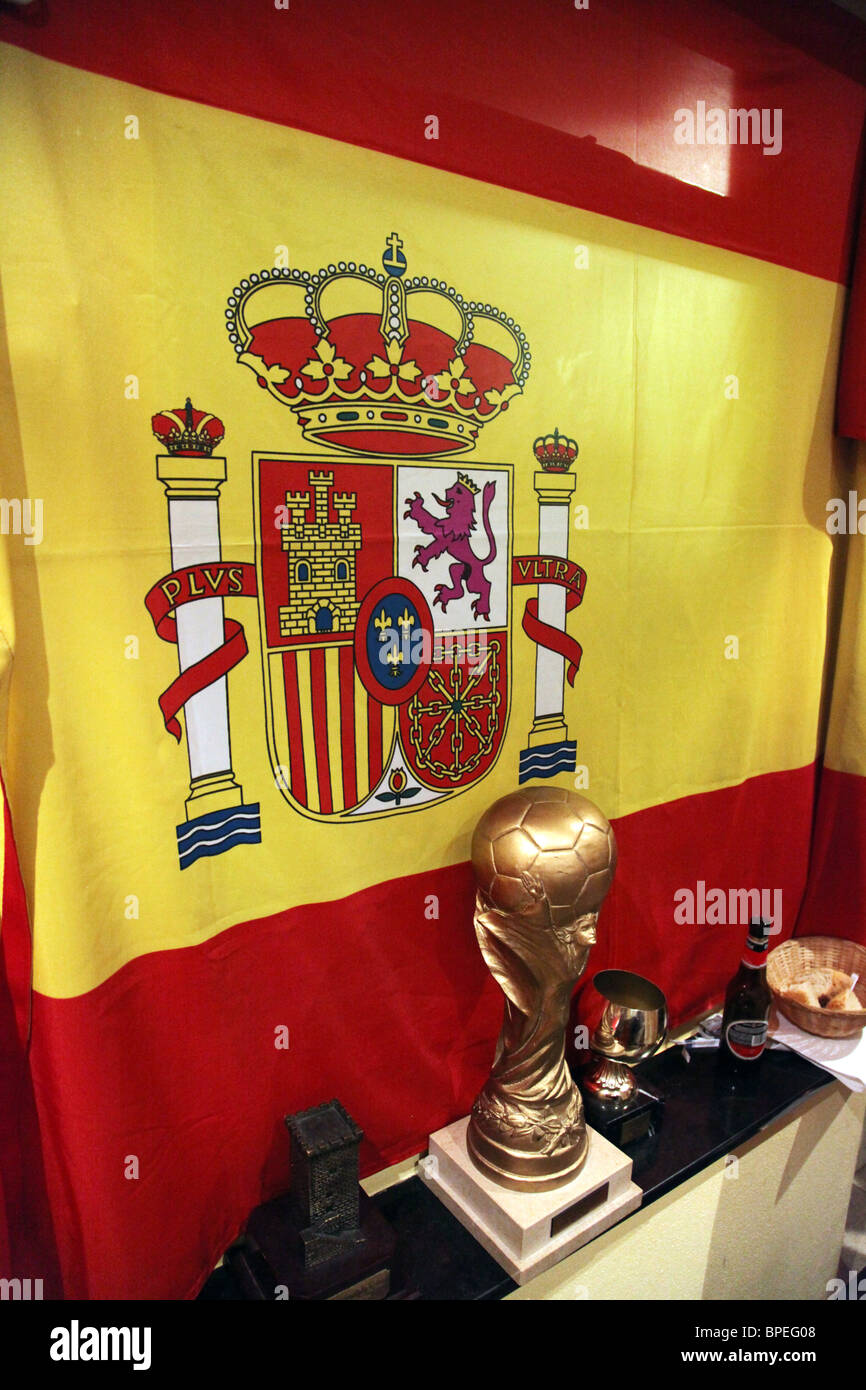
745 1020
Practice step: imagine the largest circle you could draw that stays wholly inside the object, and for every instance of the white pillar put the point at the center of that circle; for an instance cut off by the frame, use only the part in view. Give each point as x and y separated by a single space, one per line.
554 509
192 487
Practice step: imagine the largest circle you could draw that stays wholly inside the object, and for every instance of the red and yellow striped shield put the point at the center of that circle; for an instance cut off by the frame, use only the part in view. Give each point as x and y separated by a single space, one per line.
384 614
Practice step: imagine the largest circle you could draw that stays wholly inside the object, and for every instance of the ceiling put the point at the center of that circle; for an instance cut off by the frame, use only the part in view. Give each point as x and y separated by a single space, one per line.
857 7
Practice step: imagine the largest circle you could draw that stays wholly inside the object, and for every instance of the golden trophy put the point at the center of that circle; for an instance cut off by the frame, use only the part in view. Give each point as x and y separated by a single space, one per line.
523 1172
544 859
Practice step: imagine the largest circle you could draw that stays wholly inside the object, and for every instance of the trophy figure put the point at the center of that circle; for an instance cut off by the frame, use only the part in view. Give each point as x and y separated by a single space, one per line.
544 859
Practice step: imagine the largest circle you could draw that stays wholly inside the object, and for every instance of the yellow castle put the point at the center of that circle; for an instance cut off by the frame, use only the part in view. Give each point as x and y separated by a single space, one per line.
321 559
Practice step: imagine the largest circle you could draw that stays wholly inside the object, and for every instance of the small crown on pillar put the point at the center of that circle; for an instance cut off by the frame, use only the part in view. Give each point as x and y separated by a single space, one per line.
555 452
188 432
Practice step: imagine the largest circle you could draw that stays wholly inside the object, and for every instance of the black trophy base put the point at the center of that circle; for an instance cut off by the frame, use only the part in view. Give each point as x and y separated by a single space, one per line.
272 1260
624 1124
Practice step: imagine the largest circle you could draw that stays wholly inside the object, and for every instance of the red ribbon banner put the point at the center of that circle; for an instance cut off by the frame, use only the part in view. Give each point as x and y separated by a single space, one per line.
551 569
221 579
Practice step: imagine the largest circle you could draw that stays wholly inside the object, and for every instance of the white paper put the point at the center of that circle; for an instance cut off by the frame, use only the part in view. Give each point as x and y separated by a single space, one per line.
845 1058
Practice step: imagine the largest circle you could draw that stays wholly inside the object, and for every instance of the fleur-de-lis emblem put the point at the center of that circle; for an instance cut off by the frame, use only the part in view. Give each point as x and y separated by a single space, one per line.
406 371
455 379
501 398
327 364
274 374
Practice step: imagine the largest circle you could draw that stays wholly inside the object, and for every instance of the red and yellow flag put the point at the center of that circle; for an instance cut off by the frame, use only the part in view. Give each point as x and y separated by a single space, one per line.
343 493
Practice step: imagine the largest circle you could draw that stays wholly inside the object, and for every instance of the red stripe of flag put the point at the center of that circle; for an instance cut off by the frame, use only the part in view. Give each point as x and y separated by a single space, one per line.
296 737
320 728
27 1247
798 212
16 941
347 725
374 739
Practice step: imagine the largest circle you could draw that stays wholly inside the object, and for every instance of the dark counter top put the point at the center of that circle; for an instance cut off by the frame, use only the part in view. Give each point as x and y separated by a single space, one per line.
705 1115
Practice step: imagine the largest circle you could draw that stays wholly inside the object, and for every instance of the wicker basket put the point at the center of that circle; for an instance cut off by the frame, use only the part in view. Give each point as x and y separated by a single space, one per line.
792 958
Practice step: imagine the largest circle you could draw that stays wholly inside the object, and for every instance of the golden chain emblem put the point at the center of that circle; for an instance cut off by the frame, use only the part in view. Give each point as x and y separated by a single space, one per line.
459 711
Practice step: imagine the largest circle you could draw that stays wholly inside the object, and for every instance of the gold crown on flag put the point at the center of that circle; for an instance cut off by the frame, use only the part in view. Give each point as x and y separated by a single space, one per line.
555 452
467 482
188 431
376 362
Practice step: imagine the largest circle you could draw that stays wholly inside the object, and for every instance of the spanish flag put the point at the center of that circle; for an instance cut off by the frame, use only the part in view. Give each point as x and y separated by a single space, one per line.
399 407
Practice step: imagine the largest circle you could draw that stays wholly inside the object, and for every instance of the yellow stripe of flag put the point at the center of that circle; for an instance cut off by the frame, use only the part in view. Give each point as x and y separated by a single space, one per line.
332 696
305 699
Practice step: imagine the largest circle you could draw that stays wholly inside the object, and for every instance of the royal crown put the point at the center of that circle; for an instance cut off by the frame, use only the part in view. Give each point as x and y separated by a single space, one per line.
467 482
376 362
555 452
188 431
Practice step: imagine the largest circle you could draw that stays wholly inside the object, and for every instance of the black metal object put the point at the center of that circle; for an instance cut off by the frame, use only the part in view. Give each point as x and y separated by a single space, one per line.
324 1239
324 1188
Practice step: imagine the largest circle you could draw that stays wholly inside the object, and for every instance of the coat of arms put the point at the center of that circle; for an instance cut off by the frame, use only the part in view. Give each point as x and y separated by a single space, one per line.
383 568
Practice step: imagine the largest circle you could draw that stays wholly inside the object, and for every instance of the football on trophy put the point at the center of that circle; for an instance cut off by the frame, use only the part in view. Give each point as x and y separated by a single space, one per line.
544 838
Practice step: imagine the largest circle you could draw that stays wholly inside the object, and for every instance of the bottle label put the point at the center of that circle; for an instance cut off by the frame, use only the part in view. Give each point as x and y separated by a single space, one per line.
754 958
747 1037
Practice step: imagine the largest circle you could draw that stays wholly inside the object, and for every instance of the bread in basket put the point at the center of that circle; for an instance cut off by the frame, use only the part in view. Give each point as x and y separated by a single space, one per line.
790 961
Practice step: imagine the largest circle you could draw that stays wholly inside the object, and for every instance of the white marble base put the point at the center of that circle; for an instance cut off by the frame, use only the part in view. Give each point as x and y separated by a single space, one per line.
527 1232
